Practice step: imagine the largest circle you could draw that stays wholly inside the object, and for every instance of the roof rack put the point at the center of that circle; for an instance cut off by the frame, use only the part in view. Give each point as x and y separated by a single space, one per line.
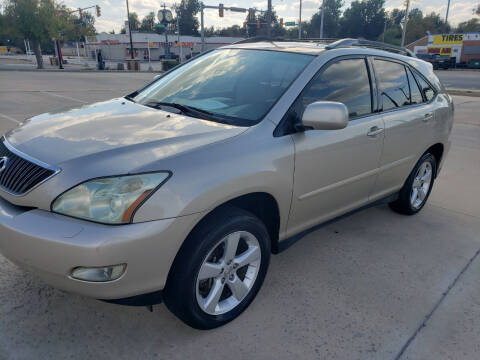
370 44
269 39
336 43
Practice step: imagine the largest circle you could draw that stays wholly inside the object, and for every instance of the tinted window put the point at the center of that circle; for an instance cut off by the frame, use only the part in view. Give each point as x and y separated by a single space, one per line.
345 81
416 95
425 87
393 84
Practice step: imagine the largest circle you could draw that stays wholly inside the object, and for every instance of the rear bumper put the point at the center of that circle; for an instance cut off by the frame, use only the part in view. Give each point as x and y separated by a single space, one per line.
51 245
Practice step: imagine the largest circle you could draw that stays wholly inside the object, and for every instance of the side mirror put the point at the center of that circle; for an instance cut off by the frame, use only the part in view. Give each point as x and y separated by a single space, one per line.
325 115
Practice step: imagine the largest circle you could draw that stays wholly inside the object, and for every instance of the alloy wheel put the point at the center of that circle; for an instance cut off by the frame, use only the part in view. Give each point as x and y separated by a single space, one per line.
228 273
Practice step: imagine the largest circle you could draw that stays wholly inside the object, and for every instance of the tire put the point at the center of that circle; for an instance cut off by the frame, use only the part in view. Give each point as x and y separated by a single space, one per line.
415 188
201 269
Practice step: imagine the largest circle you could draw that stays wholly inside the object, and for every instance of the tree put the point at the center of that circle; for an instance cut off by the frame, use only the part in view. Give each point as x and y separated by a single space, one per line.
364 19
331 20
148 22
32 19
133 19
71 26
472 25
187 11
477 10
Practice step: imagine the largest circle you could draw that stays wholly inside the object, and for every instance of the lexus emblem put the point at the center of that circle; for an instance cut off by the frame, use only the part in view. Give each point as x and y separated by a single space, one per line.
3 163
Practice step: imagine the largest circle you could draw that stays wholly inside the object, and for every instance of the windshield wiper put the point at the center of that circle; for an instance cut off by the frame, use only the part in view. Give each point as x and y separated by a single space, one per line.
188 110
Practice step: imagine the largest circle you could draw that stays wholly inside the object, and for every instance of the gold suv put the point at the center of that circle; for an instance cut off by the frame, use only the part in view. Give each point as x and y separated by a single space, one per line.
180 191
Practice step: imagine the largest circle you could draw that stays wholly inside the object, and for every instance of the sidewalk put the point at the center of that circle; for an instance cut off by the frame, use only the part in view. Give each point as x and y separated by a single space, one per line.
28 63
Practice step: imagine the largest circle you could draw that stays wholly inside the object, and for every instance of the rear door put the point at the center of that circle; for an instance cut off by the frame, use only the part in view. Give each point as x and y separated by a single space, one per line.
336 169
408 116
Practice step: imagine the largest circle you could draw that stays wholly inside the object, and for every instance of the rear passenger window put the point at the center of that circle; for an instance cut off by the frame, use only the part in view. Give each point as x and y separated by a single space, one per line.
346 81
426 89
415 94
392 83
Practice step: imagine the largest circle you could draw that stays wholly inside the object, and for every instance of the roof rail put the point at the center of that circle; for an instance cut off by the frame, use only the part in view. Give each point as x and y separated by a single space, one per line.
370 44
269 39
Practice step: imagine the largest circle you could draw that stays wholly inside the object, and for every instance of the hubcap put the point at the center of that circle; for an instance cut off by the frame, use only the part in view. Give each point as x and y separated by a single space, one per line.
421 185
228 273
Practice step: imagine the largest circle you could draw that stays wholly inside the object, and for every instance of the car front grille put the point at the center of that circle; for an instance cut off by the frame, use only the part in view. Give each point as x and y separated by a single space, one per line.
19 175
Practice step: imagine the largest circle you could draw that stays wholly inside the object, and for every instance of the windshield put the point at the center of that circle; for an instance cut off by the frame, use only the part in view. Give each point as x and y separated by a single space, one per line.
236 86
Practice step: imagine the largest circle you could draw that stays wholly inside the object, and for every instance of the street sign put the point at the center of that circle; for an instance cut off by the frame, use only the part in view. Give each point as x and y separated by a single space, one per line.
290 23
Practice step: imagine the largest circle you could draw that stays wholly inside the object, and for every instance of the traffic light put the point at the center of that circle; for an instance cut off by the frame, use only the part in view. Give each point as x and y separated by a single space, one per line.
220 10
99 11
281 22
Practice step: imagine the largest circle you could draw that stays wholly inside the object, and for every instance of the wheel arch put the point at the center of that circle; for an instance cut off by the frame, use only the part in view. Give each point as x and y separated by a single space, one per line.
437 151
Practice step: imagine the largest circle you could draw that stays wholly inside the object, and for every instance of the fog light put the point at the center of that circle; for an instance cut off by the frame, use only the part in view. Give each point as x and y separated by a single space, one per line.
99 274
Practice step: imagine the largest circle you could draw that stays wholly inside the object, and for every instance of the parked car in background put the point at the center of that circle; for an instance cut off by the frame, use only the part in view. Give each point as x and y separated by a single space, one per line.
438 61
181 190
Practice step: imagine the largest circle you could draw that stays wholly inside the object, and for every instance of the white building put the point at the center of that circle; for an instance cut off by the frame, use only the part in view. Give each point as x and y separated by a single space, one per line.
116 47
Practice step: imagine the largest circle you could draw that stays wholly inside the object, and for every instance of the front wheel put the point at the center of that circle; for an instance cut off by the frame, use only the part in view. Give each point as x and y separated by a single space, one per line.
219 269
417 188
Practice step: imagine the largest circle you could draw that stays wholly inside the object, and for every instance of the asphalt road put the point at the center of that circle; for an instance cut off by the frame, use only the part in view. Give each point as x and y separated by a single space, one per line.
375 285
460 79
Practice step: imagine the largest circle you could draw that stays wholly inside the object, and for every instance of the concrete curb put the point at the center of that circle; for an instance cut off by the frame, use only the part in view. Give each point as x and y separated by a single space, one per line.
80 70
464 92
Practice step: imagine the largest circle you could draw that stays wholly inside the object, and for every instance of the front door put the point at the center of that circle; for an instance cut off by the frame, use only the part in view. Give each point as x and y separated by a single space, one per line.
336 169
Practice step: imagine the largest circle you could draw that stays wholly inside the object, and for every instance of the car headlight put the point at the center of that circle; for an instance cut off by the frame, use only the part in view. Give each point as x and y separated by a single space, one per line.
110 200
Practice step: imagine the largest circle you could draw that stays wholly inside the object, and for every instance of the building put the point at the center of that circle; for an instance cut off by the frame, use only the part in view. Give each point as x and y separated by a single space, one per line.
463 47
116 47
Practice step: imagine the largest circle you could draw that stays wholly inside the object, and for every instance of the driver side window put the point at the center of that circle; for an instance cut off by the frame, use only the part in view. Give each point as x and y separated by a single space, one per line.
346 81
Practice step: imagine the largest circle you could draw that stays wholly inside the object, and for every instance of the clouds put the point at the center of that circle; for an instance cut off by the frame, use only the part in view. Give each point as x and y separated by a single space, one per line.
114 12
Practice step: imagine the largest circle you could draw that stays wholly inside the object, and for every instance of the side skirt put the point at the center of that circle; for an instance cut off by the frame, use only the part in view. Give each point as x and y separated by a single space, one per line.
285 244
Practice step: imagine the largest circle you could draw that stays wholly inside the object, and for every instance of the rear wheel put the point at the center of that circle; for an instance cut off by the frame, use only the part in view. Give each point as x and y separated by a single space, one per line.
417 188
219 269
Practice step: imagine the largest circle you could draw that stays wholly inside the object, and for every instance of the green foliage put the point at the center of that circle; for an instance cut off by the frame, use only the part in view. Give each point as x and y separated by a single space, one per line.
73 28
331 20
31 19
148 23
472 25
134 22
364 19
393 35
187 11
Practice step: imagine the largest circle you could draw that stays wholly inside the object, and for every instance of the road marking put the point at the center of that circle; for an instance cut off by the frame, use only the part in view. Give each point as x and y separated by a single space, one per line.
10 118
64 97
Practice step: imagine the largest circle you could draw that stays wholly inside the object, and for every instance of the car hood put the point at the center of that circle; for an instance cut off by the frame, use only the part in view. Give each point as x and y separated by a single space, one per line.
112 128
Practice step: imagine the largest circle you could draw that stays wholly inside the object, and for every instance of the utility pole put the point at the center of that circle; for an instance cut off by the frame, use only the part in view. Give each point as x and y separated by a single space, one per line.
448 9
130 32
300 21
269 19
202 26
384 30
321 19
178 37
405 20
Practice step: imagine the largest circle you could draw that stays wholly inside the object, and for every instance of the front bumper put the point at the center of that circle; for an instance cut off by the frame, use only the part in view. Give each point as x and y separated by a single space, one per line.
50 245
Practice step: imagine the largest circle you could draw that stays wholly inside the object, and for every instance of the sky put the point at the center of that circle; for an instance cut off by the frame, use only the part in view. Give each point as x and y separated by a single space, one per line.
114 12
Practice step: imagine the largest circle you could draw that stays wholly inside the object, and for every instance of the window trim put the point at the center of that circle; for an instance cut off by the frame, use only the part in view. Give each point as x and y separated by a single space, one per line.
280 128
414 72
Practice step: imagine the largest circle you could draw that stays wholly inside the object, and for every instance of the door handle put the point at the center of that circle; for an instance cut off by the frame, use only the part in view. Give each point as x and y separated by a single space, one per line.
427 117
374 131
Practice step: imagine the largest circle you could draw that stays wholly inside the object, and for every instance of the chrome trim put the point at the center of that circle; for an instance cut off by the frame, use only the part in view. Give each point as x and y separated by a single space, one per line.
24 156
